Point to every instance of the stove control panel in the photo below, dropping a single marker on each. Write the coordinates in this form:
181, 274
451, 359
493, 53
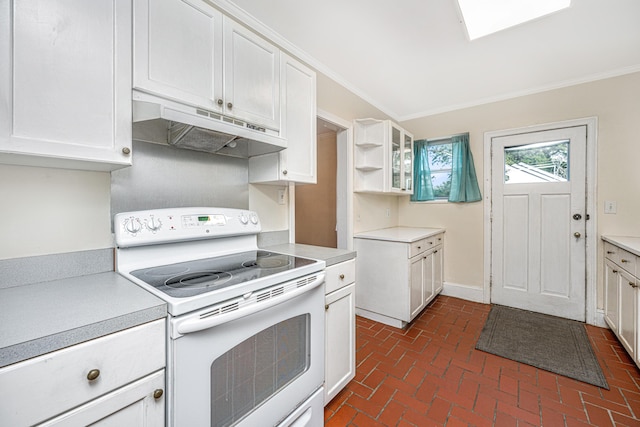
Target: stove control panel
182, 224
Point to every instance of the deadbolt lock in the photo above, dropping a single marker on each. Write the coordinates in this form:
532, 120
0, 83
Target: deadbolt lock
577, 217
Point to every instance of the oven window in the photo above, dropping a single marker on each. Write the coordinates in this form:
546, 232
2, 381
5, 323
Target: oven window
250, 373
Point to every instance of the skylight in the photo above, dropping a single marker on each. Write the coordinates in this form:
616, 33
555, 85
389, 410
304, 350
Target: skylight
483, 17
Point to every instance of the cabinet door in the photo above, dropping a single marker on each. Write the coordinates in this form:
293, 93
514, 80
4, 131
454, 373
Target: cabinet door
299, 98
396, 152
178, 51
438, 269
133, 405
251, 76
340, 340
628, 312
65, 83
298, 162
428, 276
407, 163
416, 291
611, 313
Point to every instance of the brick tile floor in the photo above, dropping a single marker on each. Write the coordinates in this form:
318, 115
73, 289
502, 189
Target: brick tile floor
431, 375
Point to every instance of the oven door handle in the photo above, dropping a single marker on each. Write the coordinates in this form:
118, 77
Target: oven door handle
197, 324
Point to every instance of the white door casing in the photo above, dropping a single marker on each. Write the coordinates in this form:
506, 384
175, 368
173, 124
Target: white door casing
538, 249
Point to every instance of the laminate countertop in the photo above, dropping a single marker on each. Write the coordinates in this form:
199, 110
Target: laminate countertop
329, 255
628, 243
400, 234
43, 317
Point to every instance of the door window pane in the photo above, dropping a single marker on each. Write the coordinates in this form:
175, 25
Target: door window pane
537, 163
257, 368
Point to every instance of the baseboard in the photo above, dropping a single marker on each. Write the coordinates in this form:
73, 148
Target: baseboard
469, 293
599, 320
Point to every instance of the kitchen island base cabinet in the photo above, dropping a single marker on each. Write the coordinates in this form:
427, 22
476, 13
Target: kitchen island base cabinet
399, 273
120, 375
621, 293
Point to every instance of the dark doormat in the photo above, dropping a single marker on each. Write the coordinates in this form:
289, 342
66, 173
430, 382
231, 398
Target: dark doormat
551, 343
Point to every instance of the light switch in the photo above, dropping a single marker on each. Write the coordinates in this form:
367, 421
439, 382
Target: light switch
610, 207
282, 197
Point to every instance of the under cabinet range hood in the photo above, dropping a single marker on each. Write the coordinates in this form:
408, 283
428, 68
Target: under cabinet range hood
198, 129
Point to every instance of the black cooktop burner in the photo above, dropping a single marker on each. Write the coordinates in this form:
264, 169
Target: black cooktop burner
189, 278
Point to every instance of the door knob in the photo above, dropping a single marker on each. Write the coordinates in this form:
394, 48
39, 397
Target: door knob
576, 234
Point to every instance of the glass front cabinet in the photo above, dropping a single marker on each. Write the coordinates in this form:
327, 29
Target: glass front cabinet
383, 156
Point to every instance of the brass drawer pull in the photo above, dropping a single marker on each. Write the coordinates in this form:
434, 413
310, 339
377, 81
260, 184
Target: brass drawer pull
341, 277
93, 374
157, 394
624, 260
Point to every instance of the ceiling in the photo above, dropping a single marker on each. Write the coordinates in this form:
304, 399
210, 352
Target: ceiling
412, 58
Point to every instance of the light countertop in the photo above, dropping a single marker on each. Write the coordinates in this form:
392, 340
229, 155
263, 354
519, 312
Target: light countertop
628, 243
400, 234
329, 255
43, 317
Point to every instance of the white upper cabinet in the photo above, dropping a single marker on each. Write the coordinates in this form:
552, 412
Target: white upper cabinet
65, 83
189, 52
298, 162
383, 158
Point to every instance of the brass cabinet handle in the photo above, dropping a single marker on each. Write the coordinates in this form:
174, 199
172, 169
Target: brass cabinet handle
610, 252
93, 374
431, 243
615, 271
633, 285
419, 247
126, 151
220, 102
229, 105
326, 307
435, 252
157, 393
341, 277
576, 234
624, 260
284, 172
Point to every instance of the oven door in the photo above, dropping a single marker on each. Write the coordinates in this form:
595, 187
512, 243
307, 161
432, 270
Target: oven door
253, 365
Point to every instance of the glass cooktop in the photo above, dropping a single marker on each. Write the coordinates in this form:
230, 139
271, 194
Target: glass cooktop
189, 278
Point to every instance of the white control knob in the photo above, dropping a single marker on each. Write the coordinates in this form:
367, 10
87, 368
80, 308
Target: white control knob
244, 219
153, 224
132, 225
254, 218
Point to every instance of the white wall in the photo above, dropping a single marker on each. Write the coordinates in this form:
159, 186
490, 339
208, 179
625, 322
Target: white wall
46, 211
616, 103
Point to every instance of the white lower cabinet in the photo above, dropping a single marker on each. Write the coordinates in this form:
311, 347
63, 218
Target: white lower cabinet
340, 328
622, 297
400, 272
117, 379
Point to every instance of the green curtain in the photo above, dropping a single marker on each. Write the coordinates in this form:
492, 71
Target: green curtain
423, 189
464, 183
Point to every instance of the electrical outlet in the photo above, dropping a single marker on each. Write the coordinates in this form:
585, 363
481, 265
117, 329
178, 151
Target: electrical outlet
610, 207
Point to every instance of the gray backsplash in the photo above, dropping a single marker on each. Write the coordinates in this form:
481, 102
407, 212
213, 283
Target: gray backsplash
166, 177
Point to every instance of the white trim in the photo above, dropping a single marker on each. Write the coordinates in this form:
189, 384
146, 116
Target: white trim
591, 208
344, 136
466, 292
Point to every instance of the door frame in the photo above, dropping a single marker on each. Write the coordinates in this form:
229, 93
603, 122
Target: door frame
591, 291
344, 191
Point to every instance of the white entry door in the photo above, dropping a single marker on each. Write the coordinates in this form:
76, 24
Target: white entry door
538, 221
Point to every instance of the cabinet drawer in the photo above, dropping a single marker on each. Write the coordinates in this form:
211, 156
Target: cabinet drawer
424, 245
339, 275
624, 259
39, 388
